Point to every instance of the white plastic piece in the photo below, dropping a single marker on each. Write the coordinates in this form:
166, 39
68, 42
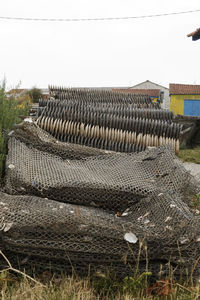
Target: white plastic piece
183, 240
2, 225
168, 219
130, 237
7, 227
168, 228
172, 205
29, 120
146, 215
11, 132
11, 166
124, 214
146, 221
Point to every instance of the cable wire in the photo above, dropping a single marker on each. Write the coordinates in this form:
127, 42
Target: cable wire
97, 19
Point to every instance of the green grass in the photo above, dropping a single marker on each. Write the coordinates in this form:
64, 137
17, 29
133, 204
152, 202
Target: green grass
190, 155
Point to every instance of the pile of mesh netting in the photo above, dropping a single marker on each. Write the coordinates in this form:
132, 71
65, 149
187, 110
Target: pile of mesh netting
70, 207
117, 121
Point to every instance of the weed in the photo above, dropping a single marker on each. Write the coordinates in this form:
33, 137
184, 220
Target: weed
133, 284
196, 201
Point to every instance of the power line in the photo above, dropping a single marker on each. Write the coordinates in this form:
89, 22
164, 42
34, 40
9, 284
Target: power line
97, 19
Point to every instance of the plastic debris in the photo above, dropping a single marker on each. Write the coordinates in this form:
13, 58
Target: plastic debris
130, 237
168, 219
7, 227
29, 120
11, 166
184, 240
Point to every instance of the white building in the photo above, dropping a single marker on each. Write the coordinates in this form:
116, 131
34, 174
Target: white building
151, 85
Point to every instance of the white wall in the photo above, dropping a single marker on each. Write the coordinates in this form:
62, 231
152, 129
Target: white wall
151, 85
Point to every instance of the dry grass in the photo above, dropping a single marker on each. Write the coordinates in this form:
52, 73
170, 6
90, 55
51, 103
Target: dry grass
71, 288
66, 288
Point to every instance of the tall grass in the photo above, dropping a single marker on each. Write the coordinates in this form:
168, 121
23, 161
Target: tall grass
9, 116
52, 287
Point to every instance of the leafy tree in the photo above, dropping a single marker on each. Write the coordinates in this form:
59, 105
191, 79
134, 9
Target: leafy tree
35, 94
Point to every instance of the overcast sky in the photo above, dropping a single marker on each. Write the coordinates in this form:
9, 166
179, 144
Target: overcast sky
109, 53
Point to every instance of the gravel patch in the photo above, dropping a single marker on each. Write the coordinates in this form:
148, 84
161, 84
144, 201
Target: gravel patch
194, 169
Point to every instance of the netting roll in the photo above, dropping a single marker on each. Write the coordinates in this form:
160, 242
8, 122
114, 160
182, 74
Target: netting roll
109, 180
72, 198
36, 230
100, 96
68, 205
143, 134
108, 120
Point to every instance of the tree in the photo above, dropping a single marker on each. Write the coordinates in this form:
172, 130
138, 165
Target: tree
35, 94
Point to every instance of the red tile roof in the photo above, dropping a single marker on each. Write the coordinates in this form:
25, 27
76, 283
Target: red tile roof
184, 89
149, 92
15, 91
195, 35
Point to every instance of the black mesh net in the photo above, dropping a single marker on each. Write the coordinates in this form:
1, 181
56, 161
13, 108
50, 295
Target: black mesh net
73, 200
120, 122
67, 206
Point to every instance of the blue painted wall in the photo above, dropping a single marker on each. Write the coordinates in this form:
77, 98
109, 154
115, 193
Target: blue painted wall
192, 108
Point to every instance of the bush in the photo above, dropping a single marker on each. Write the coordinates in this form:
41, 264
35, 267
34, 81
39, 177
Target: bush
9, 116
35, 94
